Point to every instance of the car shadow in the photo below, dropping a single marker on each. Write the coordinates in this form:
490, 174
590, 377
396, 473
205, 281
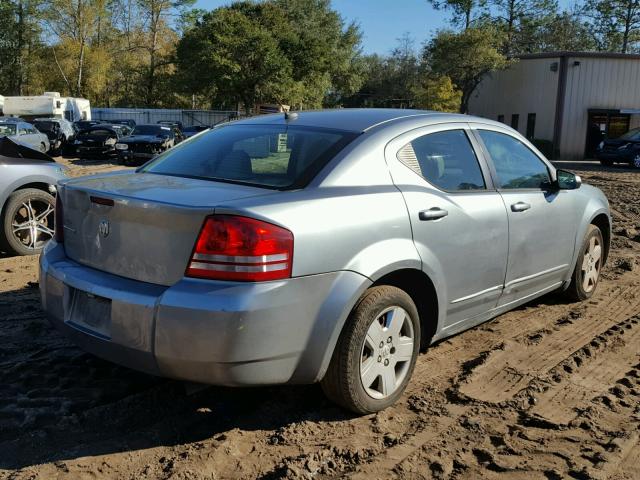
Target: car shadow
59, 403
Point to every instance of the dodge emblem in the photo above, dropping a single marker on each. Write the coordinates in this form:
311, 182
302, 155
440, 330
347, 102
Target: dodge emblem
103, 228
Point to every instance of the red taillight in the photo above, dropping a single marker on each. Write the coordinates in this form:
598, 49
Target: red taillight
58, 220
231, 247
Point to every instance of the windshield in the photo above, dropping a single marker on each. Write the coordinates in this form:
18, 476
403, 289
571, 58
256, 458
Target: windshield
122, 130
7, 129
45, 126
631, 135
151, 130
263, 155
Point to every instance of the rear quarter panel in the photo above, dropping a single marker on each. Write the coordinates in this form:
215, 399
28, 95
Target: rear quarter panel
350, 218
15, 176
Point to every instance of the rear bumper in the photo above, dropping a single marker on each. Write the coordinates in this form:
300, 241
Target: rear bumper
224, 333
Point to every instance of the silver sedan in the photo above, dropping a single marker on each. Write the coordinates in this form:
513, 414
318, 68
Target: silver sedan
326, 246
25, 134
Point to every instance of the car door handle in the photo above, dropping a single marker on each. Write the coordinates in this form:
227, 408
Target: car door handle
432, 214
520, 207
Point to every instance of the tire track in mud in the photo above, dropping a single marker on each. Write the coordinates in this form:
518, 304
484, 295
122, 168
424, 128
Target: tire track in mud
591, 372
511, 367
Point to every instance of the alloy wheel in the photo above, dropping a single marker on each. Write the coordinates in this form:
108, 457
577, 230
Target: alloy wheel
386, 352
591, 264
636, 161
32, 223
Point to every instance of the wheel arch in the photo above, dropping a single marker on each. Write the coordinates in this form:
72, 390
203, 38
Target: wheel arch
602, 222
422, 291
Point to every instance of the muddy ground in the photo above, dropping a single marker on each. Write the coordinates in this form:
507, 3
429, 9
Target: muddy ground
549, 391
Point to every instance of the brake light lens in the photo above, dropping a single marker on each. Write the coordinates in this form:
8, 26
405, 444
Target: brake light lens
58, 220
232, 247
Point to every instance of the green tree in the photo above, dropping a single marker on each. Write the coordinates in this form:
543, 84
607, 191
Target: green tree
564, 31
516, 16
297, 52
231, 56
462, 10
159, 41
616, 23
19, 44
465, 58
437, 93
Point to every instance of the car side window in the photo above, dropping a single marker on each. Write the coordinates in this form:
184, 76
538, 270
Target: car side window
445, 159
516, 165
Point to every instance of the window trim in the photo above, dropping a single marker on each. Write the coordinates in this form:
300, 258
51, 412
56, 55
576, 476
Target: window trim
476, 127
399, 142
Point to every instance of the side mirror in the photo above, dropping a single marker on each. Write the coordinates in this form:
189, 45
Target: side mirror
566, 180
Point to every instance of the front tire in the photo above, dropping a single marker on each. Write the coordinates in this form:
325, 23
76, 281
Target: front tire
376, 353
587, 270
28, 221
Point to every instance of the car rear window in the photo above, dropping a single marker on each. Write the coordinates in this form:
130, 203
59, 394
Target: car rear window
272, 156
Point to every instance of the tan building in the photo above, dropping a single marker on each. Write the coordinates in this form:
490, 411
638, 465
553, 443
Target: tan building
570, 99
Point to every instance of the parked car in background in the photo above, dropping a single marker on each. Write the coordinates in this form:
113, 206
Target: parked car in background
624, 149
125, 121
27, 189
145, 142
59, 131
24, 133
318, 246
100, 140
189, 132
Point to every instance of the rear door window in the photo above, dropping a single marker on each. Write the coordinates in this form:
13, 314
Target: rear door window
445, 159
273, 156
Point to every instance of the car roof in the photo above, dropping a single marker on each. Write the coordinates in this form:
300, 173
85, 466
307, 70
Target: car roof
357, 119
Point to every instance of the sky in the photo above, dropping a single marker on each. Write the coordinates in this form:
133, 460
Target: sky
382, 21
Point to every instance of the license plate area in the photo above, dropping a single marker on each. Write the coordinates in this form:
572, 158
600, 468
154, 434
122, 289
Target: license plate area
90, 313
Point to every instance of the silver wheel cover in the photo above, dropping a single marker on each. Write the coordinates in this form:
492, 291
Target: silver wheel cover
386, 352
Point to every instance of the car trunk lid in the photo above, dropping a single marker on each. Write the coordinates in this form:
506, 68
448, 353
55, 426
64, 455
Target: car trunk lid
140, 226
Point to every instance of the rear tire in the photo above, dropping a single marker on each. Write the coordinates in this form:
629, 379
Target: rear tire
587, 270
376, 353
